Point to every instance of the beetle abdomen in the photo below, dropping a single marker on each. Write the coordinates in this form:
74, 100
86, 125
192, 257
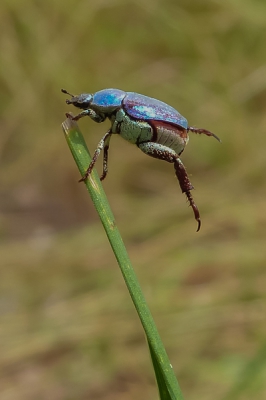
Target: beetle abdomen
170, 136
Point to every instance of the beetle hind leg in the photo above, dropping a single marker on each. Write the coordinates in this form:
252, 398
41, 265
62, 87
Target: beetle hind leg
186, 187
161, 152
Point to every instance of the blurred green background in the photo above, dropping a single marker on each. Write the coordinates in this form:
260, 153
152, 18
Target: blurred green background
68, 329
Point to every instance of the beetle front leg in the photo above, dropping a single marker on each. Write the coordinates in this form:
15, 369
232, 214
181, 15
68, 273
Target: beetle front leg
96, 154
161, 152
89, 113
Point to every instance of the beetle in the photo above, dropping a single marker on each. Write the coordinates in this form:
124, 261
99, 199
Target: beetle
154, 126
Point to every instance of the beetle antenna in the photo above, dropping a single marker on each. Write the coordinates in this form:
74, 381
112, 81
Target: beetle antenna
203, 131
66, 92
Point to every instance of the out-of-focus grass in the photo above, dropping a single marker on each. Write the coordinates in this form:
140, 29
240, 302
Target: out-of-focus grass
68, 328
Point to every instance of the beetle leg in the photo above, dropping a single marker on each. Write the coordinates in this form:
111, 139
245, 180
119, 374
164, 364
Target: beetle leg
96, 155
83, 113
186, 186
90, 113
157, 150
105, 157
203, 131
161, 152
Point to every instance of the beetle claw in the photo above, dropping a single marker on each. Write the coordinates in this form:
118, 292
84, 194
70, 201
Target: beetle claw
84, 178
195, 209
199, 224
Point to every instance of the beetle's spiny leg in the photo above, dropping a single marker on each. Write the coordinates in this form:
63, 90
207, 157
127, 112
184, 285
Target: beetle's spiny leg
96, 155
83, 113
78, 116
194, 208
105, 158
161, 152
68, 115
203, 131
186, 186
182, 176
87, 113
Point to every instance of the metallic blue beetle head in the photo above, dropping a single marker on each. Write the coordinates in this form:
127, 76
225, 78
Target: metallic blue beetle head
82, 101
104, 101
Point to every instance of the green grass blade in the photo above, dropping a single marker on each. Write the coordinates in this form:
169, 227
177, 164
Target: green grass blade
164, 391
166, 380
